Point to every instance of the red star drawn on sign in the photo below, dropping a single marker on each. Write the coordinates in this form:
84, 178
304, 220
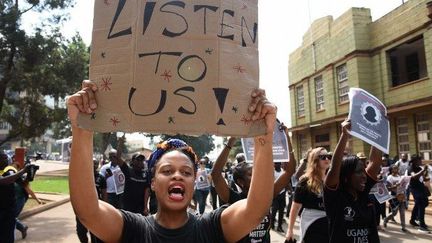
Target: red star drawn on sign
105, 85
239, 68
106, 2
115, 121
166, 75
245, 120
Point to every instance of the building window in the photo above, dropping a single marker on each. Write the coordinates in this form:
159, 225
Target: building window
319, 93
402, 135
408, 61
303, 146
424, 136
342, 77
300, 101
323, 140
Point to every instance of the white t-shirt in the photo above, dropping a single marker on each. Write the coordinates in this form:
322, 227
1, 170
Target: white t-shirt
403, 167
115, 183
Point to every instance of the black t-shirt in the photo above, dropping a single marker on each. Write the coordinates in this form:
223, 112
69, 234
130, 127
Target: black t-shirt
135, 185
198, 229
100, 184
307, 198
7, 194
415, 184
350, 220
262, 232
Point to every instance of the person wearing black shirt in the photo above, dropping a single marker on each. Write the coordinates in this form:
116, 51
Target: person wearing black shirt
173, 165
347, 185
137, 185
100, 189
242, 176
309, 196
418, 190
8, 176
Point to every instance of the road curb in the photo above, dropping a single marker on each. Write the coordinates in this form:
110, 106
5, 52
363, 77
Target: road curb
36, 210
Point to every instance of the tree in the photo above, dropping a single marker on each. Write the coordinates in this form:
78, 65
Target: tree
202, 144
36, 66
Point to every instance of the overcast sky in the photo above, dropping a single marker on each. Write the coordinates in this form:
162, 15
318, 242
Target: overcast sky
282, 24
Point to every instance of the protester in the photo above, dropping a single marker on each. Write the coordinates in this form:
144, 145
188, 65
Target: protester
403, 164
8, 176
242, 177
100, 189
22, 192
137, 185
279, 202
174, 175
202, 184
420, 193
398, 192
309, 196
113, 175
346, 189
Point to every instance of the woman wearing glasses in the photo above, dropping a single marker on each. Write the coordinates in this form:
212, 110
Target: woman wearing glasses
309, 195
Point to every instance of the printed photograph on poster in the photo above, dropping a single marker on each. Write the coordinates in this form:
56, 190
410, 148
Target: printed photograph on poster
119, 181
369, 120
382, 194
280, 146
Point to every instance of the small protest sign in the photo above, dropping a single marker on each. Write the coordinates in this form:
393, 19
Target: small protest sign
119, 181
280, 146
174, 67
382, 193
404, 183
369, 120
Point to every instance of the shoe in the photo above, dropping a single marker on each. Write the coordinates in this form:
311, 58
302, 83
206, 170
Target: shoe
385, 223
279, 229
405, 230
423, 230
413, 223
24, 232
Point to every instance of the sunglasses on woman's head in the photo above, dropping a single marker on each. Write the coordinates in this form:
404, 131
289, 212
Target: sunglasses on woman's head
325, 156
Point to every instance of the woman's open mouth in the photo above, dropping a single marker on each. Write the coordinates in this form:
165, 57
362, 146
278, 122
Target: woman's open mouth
176, 192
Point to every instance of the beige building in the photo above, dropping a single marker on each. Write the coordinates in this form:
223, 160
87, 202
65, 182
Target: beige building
391, 58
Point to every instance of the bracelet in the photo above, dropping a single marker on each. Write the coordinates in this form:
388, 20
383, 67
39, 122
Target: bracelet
226, 145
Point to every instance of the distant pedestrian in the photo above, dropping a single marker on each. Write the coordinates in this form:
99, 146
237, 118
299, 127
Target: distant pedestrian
115, 180
420, 193
8, 176
137, 186
100, 189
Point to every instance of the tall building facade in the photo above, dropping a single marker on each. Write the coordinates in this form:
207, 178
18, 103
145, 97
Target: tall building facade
391, 58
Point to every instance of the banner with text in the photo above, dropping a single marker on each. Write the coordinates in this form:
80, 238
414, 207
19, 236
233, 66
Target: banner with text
175, 66
369, 120
280, 146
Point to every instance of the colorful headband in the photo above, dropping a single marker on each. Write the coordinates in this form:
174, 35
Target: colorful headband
168, 145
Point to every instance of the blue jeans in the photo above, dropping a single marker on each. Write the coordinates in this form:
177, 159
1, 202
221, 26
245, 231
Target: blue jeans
201, 195
20, 202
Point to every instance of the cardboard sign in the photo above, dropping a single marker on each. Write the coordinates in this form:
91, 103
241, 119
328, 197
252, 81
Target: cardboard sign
280, 146
369, 120
174, 66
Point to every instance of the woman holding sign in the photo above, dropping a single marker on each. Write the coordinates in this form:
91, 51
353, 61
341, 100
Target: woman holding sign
347, 185
174, 171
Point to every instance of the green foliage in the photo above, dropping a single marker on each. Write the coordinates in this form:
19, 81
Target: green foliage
37, 65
